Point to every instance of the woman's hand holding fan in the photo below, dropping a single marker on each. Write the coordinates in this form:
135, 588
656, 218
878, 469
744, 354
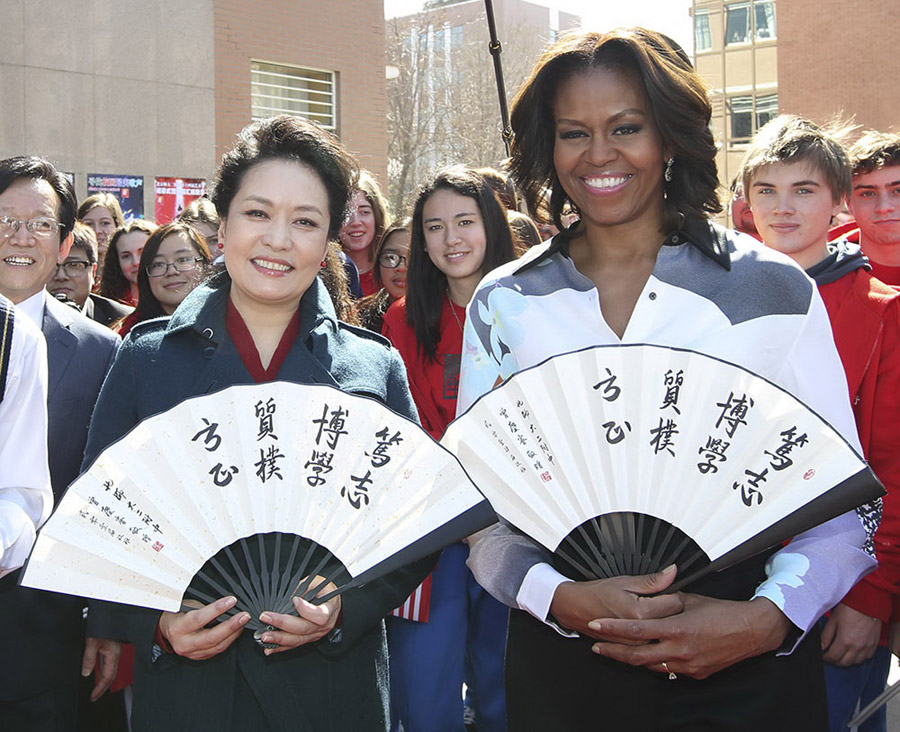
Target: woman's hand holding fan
576, 604
622, 460
242, 502
311, 623
708, 636
188, 635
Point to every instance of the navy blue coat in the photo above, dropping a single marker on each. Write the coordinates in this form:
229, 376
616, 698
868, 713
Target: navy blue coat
328, 685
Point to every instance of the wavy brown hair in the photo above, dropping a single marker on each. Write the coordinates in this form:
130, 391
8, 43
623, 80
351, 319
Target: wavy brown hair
679, 105
113, 283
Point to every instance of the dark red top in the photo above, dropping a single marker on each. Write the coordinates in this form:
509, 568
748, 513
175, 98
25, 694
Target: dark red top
887, 274
433, 384
367, 283
246, 348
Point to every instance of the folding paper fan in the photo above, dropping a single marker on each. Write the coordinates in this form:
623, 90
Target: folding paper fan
625, 459
249, 491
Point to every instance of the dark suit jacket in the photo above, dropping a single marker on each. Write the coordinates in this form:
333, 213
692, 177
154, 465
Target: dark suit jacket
42, 633
105, 311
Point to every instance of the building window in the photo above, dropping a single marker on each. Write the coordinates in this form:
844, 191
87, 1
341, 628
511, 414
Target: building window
766, 109
702, 35
738, 19
741, 111
764, 13
277, 89
737, 23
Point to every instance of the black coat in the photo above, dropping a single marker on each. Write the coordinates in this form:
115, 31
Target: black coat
334, 684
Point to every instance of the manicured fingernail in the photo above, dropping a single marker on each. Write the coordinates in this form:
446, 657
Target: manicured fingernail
230, 601
669, 569
596, 649
594, 625
265, 617
244, 618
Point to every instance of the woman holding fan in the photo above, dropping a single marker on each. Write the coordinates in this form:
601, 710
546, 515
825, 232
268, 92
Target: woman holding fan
616, 126
281, 192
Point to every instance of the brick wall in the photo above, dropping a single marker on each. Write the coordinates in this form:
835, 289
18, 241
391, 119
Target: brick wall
345, 37
840, 56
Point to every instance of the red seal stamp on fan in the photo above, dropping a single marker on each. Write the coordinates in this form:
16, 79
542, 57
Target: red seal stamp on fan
809, 474
546, 477
157, 546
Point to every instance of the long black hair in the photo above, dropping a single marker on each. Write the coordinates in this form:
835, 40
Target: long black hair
426, 285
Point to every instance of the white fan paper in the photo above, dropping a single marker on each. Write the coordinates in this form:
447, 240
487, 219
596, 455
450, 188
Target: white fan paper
623, 459
344, 471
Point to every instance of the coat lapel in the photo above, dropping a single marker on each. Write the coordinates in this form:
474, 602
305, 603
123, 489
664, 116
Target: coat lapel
61, 342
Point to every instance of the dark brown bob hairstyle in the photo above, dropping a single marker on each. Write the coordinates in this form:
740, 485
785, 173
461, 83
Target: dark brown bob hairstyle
286, 137
678, 103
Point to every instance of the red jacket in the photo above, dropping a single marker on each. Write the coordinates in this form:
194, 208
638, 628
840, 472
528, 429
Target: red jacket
865, 319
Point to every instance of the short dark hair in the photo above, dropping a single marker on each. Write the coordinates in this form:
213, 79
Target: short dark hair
792, 139
874, 150
286, 137
84, 238
426, 285
35, 168
148, 306
679, 105
113, 283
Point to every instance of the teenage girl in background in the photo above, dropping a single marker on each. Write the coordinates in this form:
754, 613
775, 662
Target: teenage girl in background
367, 218
458, 233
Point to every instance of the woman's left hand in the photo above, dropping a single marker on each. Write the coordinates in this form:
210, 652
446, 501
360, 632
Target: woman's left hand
314, 622
706, 637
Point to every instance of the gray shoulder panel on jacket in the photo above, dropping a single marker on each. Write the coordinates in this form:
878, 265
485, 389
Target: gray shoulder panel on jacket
761, 282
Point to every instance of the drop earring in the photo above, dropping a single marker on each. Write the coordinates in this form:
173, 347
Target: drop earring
668, 174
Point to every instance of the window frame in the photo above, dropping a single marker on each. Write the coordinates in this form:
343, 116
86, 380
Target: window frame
321, 103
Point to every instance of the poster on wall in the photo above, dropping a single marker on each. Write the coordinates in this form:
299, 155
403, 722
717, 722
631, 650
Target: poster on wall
173, 194
129, 189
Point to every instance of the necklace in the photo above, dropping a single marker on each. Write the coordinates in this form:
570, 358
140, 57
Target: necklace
453, 312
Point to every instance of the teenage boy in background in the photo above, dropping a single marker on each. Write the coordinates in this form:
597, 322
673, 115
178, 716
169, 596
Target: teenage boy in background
874, 201
795, 176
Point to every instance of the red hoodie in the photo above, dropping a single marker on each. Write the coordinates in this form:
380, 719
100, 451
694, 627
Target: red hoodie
865, 319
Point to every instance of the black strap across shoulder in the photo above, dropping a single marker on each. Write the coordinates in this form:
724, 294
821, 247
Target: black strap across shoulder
6, 335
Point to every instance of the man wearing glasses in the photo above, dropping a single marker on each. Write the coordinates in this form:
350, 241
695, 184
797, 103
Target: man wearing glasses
41, 633
73, 280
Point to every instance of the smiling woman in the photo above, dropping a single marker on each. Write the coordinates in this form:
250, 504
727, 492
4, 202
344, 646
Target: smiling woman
281, 192
367, 219
173, 262
458, 232
616, 126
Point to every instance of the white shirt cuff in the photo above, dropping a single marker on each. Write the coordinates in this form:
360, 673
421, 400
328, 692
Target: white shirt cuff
536, 594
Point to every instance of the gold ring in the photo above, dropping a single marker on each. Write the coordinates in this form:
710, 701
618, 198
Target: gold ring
672, 674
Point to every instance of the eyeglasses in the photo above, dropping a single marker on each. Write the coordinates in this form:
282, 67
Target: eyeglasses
73, 268
392, 260
182, 264
36, 227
